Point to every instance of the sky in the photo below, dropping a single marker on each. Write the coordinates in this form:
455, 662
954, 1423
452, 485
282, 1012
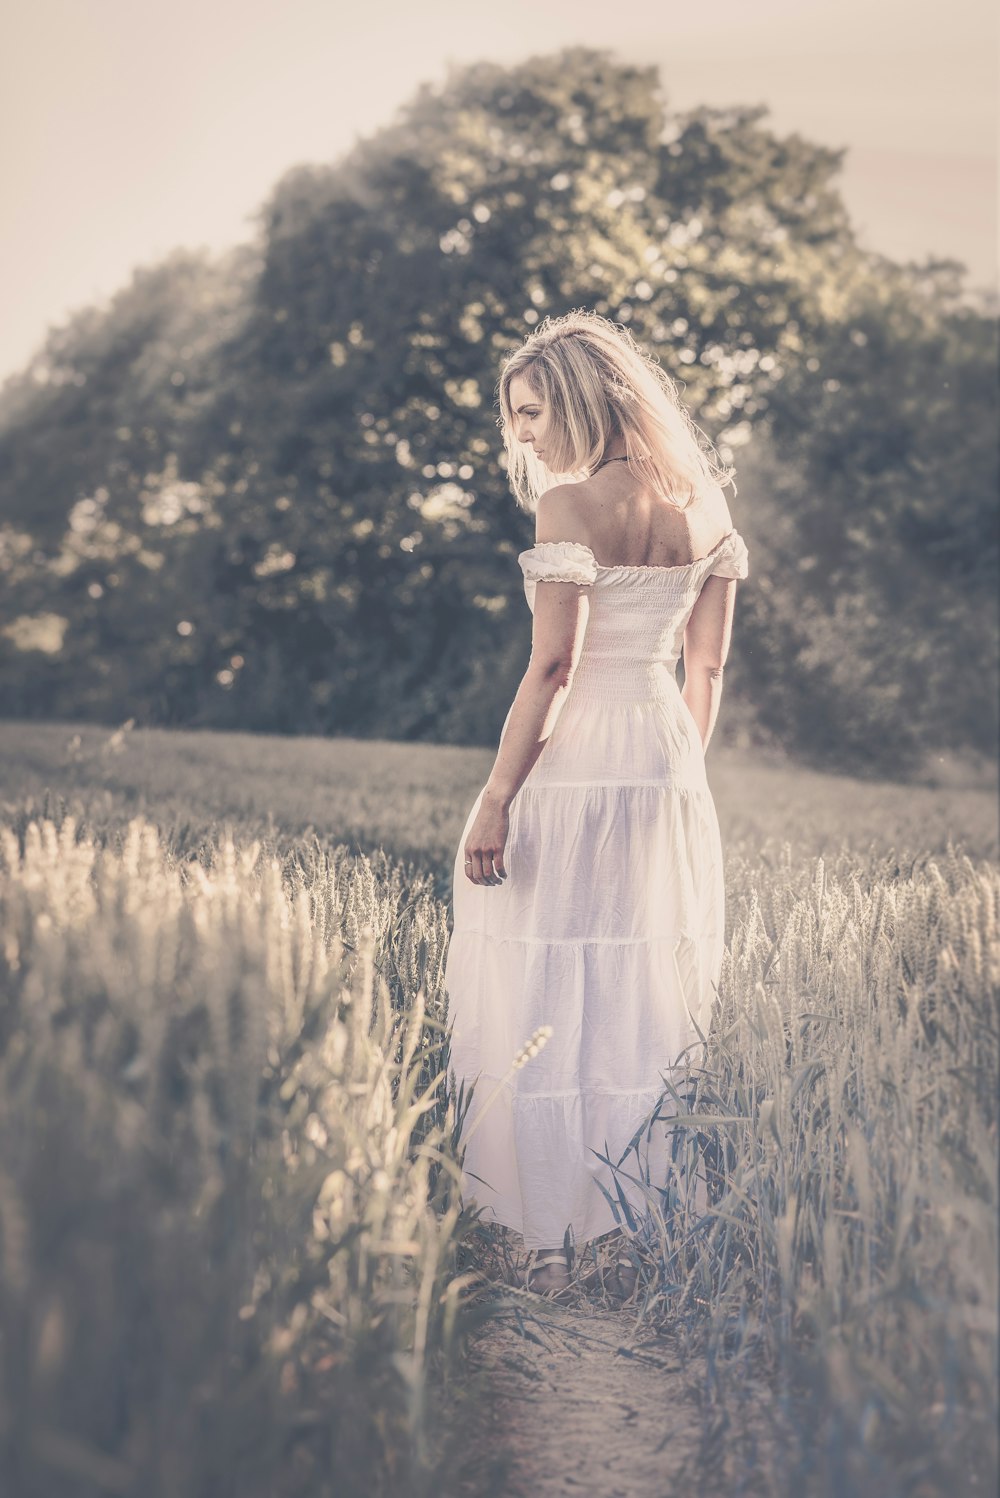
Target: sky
131, 127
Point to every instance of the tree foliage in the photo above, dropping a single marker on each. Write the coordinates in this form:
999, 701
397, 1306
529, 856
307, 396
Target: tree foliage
267, 491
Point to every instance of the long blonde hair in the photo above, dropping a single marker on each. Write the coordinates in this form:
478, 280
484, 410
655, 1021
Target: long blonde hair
597, 384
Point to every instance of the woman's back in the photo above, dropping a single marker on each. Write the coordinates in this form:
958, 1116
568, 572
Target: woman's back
628, 525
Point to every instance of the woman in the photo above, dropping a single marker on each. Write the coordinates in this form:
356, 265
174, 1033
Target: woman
588, 894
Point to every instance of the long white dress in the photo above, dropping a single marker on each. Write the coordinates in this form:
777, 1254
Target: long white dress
609, 926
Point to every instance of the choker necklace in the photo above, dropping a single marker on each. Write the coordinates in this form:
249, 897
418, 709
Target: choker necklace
611, 460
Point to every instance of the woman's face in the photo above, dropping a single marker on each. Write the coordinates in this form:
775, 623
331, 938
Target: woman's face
530, 415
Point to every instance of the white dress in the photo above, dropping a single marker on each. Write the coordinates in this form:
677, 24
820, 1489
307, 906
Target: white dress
609, 926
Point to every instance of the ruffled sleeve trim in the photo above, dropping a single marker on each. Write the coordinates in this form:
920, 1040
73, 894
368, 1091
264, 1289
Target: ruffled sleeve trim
558, 561
731, 558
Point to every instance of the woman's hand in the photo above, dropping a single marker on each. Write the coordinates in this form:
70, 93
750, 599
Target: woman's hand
486, 841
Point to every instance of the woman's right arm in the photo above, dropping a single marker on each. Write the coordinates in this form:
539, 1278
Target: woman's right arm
706, 646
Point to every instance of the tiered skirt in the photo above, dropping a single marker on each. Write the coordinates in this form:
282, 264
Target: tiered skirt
609, 929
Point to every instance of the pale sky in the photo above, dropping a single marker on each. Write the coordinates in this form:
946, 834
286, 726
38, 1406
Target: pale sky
129, 127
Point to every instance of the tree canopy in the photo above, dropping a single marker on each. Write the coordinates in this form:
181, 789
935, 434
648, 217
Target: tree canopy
266, 491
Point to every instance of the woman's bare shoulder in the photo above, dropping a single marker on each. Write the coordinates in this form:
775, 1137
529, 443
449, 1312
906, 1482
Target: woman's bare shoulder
710, 516
560, 514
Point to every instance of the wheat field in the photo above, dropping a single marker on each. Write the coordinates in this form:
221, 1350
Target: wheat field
232, 1253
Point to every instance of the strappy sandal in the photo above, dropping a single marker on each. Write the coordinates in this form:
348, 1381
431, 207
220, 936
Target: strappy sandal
619, 1277
531, 1268
622, 1277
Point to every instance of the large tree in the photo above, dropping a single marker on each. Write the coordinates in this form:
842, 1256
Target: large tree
293, 455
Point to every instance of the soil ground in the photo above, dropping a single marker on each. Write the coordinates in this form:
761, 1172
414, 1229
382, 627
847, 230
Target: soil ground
579, 1401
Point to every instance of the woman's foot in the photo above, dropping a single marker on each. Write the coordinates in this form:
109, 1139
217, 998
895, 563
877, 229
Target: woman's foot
621, 1278
546, 1273
616, 1271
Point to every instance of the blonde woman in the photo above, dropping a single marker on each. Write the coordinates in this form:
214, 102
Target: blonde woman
588, 893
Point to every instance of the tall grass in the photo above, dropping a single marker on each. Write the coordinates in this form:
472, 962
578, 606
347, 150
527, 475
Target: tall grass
411, 799
844, 1131
228, 1226
227, 1209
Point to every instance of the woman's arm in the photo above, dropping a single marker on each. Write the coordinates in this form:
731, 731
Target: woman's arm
706, 647
536, 706
561, 614
559, 623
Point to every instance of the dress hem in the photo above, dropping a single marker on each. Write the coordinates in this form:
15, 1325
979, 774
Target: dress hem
593, 1228
589, 1228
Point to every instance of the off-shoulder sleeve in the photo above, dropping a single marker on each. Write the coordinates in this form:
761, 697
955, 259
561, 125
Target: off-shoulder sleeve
558, 561
732, 558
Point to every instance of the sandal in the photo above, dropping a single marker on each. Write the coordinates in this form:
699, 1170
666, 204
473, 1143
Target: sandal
622, 1277
524, 1277
619, 1277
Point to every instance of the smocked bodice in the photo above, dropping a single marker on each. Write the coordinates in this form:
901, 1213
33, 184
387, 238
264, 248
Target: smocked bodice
637, 614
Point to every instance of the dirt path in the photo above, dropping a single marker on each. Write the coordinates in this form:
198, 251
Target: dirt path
580, 1402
